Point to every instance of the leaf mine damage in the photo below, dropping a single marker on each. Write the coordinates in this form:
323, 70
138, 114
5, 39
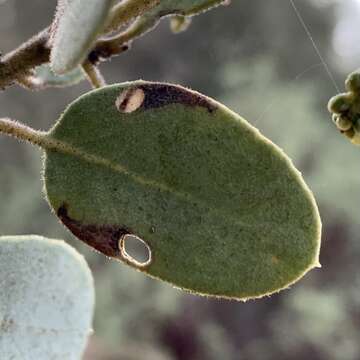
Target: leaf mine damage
152, 96
130, 100
211, 208
103, 238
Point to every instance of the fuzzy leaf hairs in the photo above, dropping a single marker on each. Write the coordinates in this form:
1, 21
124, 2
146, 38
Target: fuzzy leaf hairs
221, 210
46, 301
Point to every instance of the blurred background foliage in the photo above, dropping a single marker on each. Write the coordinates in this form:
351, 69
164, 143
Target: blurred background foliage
256, 58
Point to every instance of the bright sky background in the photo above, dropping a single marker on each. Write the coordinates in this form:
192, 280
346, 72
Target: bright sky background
347, 35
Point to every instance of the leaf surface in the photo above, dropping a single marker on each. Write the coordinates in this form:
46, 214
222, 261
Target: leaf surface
185, 7
75, 28
46, 299
48, 78
221, 208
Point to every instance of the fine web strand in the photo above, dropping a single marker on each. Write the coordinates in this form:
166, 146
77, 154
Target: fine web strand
322, 63
277, 100
318, 52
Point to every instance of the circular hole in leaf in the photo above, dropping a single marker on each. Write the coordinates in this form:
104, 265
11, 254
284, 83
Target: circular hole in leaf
224, 198
135, 251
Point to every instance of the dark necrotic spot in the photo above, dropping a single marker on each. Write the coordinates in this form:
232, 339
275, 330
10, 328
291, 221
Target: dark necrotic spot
159, 95
104, 238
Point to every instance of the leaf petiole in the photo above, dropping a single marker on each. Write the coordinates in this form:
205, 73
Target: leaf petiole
23, 132
93, 75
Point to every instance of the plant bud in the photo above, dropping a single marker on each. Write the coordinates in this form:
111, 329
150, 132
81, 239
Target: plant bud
343, 123
339, 103
352, 82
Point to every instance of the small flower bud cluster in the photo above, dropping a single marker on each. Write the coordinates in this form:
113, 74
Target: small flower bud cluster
345, 108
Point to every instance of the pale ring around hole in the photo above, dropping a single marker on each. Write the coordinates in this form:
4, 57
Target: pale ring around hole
130, 100
128, 258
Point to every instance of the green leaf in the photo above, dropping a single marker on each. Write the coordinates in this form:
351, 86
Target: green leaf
185, 7
221, 208
182, 8
76, 26
48, 78
46, 299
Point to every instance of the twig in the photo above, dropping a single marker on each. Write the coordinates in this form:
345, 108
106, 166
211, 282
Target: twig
126, 11
19, 63
93, 75
122, 40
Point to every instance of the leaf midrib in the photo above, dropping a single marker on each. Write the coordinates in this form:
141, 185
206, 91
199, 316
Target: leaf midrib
68, 149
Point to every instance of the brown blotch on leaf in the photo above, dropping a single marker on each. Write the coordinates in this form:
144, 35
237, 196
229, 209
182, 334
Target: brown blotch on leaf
104, 238
159, 95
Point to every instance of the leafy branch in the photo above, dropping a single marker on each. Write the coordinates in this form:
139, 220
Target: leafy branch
155, 162
56, 44
17, 66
